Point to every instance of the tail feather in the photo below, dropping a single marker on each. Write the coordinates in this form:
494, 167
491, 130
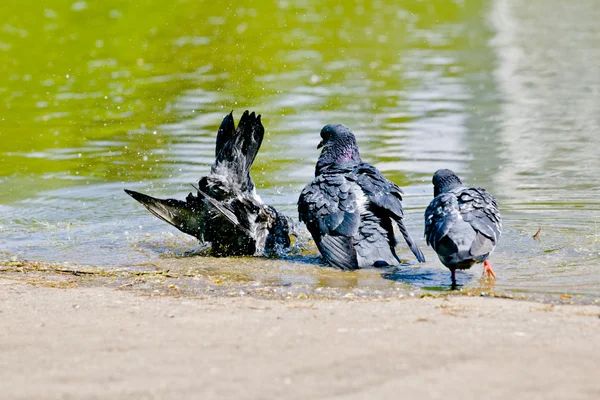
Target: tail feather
225, 133
236, 150
253, 133
413, 246
183, 215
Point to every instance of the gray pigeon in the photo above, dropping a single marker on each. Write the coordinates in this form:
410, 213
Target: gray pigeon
349, 207
227, 211
463, 225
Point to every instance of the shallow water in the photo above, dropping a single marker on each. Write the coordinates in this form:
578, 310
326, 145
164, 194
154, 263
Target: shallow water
101, 97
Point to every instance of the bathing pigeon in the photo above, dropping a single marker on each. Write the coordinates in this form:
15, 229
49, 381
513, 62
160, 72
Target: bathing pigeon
227, 211
349, 207
463, 225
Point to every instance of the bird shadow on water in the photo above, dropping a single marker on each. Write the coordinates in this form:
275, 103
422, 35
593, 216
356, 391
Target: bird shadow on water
426, 278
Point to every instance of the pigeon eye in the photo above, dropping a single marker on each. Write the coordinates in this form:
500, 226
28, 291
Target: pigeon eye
325, 135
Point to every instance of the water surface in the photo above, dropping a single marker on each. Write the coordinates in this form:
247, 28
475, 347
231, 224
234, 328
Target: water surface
101, 96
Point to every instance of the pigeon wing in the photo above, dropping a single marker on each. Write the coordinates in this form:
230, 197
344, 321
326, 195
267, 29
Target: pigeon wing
387, 196
441, 214
480, 210
183, 215
328, 206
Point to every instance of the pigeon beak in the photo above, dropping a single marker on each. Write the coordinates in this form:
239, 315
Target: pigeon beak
321, 144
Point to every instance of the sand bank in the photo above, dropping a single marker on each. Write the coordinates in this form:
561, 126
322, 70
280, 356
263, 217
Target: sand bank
101, 342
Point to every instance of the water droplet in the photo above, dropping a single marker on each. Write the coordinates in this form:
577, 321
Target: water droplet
115, 14
79, 6
50, 13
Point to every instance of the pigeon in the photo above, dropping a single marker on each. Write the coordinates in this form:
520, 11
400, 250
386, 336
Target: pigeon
463, 225
349, 208
227, 211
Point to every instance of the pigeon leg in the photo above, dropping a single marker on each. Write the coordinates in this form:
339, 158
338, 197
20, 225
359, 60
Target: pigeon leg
453, 272
487, 270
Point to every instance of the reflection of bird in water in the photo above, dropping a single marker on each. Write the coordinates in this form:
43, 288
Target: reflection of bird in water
349, 207
463, 225
227, 211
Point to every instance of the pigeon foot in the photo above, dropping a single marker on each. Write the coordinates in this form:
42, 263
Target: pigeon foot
487, 270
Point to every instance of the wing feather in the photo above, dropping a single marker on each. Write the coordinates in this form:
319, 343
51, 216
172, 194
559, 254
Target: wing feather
387, 196
328, 206
441, 214
480, 209
338, 251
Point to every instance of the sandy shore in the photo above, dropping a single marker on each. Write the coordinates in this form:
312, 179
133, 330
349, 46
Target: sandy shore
99, 342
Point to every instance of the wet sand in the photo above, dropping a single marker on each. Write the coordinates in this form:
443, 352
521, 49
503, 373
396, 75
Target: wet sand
63, 341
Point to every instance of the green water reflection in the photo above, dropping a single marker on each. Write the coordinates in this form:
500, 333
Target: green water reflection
80, 80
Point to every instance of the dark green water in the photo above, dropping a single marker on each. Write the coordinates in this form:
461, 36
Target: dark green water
99, 96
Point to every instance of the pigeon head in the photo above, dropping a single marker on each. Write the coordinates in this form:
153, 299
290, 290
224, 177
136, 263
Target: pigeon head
444, 180
339, 146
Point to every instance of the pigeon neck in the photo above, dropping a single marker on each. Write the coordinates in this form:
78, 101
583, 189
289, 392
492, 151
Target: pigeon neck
337, 156
446, 186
